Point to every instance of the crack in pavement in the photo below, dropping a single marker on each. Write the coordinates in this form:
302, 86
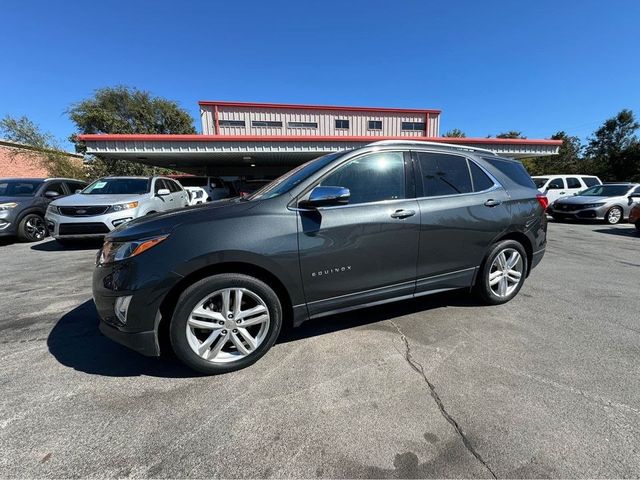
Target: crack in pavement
434, 394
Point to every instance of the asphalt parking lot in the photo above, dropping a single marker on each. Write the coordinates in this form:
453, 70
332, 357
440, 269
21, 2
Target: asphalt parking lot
545, 386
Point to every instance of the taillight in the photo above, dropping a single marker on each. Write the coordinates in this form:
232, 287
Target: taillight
543, 201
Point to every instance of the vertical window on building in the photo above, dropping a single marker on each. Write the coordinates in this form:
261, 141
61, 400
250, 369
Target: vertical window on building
413, 126
375, 124
342, 123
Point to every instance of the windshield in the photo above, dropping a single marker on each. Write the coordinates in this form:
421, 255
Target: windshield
19, 188
605, 191
118, 186
292, 178
540, 181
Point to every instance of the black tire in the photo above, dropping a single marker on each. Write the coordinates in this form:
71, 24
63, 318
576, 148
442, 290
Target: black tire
32, 228
616, 218
198, 291
483, 287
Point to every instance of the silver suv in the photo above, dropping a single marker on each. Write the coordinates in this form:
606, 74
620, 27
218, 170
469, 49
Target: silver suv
110, 202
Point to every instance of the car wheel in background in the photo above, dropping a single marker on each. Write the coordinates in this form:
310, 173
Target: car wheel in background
32, 228
613, 216
225, 323
503, 273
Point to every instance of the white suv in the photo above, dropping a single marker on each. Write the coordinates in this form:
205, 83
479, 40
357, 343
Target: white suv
560, 186
110, 202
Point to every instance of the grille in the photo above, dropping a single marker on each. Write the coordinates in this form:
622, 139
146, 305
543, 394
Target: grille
82, 228
568, 208
83, 211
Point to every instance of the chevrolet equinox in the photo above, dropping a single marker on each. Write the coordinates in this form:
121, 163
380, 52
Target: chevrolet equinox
390, 221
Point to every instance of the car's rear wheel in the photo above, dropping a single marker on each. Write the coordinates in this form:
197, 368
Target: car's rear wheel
503, 272
613, 216
225, 322
32, 228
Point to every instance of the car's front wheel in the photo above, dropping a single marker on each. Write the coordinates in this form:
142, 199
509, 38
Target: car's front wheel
32, 228
503, 273
225, 322
613, 216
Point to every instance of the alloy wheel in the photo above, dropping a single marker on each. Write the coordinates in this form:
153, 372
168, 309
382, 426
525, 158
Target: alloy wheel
614, 215
35, 228
228, 325
506, 272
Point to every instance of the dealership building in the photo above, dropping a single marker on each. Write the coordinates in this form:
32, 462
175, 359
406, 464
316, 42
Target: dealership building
267, 139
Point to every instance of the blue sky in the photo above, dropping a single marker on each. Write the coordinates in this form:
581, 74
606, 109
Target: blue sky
491, 66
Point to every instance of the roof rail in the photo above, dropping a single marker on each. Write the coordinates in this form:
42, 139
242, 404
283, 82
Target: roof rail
435, 144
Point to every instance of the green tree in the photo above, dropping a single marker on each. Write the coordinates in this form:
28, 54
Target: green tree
43, 149
455, 133
568, 159
126, 110
614, 148
511, 134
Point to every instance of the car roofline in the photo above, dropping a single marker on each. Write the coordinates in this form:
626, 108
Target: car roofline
444, 146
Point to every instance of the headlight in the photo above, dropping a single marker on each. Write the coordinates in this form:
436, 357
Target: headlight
52, 209
592, 205
8, 206
116, 251
123, 206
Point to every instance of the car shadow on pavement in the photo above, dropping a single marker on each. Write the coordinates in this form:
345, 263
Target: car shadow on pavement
620, 232
54, 246
76, 342
370, 315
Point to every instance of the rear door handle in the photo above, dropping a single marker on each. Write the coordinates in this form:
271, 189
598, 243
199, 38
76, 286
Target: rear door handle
403, 213
492, 203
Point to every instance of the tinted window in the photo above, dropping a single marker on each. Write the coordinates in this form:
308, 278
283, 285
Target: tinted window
375, 124
606, 191
231, 123
444, 174
342, 123
540, 181
412, 125
371, 178
19, 188
481, 180
512, 169
173, 186
573, 183
160, 185
118, 186
73, 186
55, 187
590, 181
555, 184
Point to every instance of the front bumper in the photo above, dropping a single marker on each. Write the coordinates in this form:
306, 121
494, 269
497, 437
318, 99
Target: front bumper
597, 213
95, 226
7, 223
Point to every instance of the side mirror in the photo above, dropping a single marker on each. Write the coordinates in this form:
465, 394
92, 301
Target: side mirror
322, 196
78, 190
163, 192
51, 194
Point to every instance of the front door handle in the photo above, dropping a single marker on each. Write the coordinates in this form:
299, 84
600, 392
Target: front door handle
492, 203
403, 213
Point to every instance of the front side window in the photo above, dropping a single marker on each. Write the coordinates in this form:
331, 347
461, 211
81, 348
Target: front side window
413, 126
556, 184
19, 188
160, 185
444, 174
573, 183
375, 124
371, 178
54, 187
540, 181
342, 123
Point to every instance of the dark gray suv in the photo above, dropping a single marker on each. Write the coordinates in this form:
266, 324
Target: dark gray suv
390, 221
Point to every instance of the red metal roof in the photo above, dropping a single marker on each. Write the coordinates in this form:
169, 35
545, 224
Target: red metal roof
316, 107
306, 138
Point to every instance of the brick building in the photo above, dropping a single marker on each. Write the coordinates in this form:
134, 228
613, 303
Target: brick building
18, 160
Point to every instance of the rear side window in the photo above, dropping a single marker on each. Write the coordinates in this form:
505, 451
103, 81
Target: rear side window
590, 181
481, 180
444, 174
573, 183
371, 178
514, 170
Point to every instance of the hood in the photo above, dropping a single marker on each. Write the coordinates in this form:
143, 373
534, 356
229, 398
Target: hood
80, 200
16, 199
581, 200
164, 223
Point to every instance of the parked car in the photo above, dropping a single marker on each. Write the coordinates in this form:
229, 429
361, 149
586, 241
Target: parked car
110, 202
23, 202
204, 189
610, 202
634, 214
558, 186
386, 222
248, 187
